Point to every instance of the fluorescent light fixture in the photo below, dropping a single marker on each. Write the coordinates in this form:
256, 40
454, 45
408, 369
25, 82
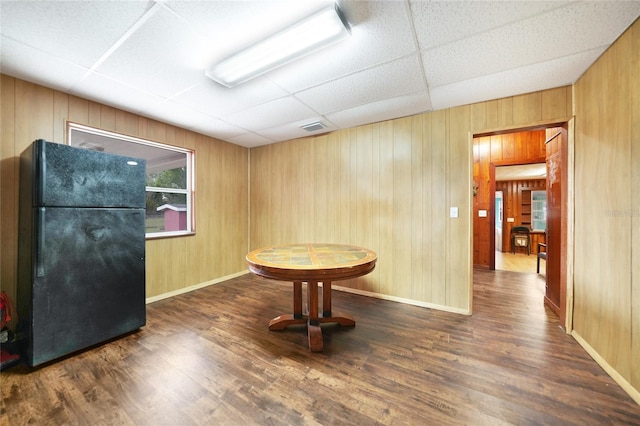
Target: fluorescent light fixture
311, 34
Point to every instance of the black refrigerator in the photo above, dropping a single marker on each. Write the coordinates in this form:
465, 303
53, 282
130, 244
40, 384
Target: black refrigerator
81, 254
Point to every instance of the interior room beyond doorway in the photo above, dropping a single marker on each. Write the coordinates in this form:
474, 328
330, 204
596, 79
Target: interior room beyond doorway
520, 200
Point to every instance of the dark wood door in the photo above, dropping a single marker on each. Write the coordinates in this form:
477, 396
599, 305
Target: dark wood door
554, 230
557, 225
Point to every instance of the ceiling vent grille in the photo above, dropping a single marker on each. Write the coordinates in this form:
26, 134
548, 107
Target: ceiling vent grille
312, 127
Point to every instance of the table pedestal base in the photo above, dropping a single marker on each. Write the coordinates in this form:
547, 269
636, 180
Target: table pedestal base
313, 319
313, 330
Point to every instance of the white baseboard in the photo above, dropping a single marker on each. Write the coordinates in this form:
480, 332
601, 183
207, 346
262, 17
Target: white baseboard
401, 300
624, 384
193, 287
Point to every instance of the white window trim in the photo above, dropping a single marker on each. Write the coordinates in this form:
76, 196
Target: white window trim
190, 165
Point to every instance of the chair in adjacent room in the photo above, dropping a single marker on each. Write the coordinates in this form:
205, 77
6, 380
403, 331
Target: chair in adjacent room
520, 237
542, 254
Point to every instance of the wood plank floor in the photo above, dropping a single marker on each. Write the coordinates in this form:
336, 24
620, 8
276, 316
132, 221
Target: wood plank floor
207, 358
518, 262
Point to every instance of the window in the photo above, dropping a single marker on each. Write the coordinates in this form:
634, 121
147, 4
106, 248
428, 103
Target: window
539, 210
169, 177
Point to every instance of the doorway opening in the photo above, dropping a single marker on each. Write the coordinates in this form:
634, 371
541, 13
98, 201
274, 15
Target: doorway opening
545, 144
520, 192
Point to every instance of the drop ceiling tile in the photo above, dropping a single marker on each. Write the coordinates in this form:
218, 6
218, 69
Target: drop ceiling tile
441, 22
374, 84
381, 32
546, 75
527, 42
160, 57
188, 118
215, 99
110, 92
270, 114
386, 109
25, 62
250, 140
210, 126
78, 31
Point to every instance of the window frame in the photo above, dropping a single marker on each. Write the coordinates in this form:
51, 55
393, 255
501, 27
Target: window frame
544, 211
189, 191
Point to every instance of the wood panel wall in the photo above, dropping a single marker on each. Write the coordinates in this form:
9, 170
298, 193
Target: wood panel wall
389, 186
607, 209
512, 207
499, 149
217, 250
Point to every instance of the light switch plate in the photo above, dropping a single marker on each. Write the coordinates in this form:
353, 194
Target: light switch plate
453, 212
482, 213
510, 219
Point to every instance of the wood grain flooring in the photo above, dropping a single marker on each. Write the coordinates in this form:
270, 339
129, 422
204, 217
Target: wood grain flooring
207, 358
519, 262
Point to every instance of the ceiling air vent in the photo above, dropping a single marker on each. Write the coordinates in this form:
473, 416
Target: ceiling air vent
312, 127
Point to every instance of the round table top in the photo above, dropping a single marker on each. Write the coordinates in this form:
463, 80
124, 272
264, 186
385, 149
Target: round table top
312, 262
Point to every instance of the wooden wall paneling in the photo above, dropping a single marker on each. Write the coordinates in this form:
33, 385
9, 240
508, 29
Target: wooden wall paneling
417, 193
258, 225
385, 262
307, 177
108, 118
492, 116
95, 115
495, 152
556, 103
166, 270
202, 246
322, 164
60, 116
126, 123
479, 115
9, 169
520, 144
402, 207
460, 165
635, 203
35, 102
231, 223
508, 142
330, 166
505, 113
603, 311
345, 199
428, 250
364, 202
280, 202
439, 207
373, 279
151, 130
527, 108
78, 110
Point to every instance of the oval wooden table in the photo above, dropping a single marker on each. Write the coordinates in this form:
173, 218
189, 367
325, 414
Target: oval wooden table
311, 263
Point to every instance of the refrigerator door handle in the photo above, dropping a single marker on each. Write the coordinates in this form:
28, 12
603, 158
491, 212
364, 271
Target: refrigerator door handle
40, 272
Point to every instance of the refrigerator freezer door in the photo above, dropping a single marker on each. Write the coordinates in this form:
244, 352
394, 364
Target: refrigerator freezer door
88, 279
66, 176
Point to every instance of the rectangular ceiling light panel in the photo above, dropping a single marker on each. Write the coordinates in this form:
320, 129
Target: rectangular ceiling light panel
311, 34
